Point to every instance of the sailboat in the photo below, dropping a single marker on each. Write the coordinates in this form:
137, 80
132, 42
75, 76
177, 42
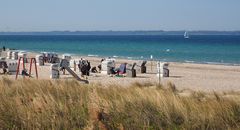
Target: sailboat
186, 35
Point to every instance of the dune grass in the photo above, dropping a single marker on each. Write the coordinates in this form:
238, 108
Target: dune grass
45, 104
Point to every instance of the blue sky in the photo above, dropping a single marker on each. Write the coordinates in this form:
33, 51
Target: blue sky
87, 15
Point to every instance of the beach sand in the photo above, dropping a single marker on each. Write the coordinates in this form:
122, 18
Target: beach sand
198, 77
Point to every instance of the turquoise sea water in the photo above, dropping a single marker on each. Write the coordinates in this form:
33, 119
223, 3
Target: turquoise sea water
222, 49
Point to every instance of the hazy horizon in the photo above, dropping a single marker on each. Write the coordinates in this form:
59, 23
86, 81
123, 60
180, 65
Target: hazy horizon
120, 31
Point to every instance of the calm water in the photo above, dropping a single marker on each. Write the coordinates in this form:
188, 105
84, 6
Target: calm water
203, 49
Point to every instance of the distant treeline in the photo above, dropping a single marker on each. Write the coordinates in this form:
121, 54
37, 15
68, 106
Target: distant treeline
160, 32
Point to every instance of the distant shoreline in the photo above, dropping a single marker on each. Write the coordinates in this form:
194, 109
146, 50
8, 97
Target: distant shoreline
158, 32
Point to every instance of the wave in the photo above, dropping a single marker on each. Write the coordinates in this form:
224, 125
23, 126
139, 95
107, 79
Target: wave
189, 61
211, 63
91, 55
220, 63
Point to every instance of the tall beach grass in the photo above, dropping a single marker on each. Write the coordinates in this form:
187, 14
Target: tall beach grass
67, 104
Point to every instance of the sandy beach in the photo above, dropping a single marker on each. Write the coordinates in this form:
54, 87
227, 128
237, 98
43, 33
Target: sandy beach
198, 77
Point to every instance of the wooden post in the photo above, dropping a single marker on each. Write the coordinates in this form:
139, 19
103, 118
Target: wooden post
18, 67
30, 70
23, 63
151, 62
35, 62
75, 66
159, 78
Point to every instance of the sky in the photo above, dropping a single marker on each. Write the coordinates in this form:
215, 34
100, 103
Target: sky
119, 15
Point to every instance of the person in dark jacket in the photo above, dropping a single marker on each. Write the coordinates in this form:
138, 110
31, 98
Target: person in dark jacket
24, 73
88, 68
84, 67
94, 70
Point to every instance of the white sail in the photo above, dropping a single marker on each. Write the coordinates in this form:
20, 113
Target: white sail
186, 35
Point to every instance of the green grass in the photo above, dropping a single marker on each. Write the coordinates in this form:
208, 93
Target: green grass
45, 104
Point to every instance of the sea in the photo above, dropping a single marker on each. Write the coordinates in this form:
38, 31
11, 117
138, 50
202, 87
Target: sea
208, 49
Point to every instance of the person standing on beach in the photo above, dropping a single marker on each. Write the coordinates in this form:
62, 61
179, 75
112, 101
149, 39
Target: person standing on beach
100, 65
